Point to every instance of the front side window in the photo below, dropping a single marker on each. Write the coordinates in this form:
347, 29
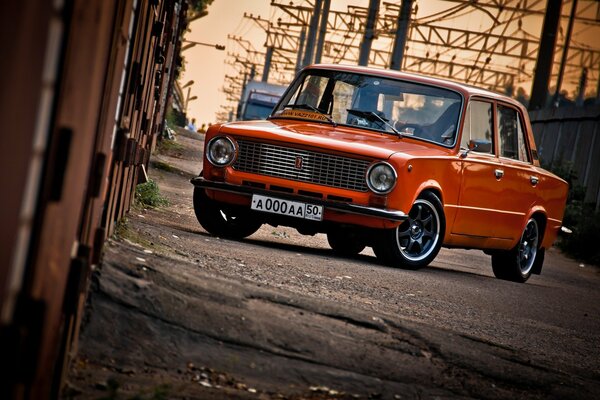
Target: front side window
478, 126
382, 104
511, 137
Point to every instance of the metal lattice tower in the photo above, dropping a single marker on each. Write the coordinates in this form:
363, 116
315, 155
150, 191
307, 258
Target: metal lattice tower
489, 43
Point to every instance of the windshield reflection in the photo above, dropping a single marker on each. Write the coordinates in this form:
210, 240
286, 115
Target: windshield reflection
386, 105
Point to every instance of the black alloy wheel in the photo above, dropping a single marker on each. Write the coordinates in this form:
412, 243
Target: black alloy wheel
223, 221
517, 264
416, 242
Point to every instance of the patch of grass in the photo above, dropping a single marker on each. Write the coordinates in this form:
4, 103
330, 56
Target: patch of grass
122, 231
163, 166
166, 146
121, 228
148, 195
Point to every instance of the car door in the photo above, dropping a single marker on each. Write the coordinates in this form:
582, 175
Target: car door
478, 199
519, 175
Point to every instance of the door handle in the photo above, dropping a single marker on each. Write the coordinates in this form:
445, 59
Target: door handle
499, 173
534, 180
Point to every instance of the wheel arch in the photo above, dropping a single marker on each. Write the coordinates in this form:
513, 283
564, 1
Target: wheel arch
540, 216
437, 191
430, 186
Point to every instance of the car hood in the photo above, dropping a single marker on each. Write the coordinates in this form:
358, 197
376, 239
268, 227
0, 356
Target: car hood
341, 138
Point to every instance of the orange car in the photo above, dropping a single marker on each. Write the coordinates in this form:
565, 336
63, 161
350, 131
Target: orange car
399, 162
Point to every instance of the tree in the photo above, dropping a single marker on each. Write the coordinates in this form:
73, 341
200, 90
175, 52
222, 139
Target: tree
198, 9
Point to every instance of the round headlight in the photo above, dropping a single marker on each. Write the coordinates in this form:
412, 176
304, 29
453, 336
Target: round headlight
381, 178
221, 151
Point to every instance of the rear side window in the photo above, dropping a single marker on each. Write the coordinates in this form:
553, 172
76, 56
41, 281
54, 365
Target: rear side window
511, 135
478, 124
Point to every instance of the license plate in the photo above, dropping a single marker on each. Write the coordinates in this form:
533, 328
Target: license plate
287, 207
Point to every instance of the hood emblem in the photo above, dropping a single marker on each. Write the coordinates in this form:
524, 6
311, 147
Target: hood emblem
299, 162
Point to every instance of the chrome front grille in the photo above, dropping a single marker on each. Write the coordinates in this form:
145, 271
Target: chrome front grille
302, 165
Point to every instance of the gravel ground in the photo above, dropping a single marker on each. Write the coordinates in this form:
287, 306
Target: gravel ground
176, 313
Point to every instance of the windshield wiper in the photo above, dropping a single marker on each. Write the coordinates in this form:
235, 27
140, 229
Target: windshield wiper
312, 108
371, 115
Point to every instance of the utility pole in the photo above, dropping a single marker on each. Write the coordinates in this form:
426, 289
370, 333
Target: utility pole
238, 112
543, 67
267, 67
496, 57
312, 34
365, 47
565, 52
300, 48
188, 98
401, 34
322, 31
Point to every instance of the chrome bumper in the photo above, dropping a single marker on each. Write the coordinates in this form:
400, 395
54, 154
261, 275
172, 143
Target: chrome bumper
392, 215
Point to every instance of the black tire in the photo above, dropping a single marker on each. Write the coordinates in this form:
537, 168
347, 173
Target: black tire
417, 241
517, 265
223, 221
345, 243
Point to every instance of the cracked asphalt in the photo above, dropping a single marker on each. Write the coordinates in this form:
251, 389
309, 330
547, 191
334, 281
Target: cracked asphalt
175, 312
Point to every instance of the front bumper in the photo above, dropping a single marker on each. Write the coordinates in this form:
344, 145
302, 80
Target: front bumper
392, 215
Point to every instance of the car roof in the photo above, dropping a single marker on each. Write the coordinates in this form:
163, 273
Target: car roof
465, 90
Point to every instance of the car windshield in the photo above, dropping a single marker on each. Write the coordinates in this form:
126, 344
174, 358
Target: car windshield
392, 106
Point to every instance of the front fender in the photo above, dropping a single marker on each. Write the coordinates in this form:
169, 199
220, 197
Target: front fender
439, 174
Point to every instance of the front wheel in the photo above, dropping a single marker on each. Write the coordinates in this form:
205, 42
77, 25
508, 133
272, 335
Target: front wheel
223, 221
347, 243
517, 264
416, 242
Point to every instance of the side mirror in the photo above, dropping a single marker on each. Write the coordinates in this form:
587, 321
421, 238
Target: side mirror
478, 146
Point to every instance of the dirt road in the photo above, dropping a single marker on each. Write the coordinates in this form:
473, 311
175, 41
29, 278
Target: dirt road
177, 313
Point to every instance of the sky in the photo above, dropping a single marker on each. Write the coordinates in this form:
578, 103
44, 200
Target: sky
206, 66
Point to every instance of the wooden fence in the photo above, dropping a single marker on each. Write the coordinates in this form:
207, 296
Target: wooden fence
569, 137
85, 84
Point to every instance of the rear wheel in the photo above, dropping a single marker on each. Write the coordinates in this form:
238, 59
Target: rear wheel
345, 243
517, 264
223, 221
416, 242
